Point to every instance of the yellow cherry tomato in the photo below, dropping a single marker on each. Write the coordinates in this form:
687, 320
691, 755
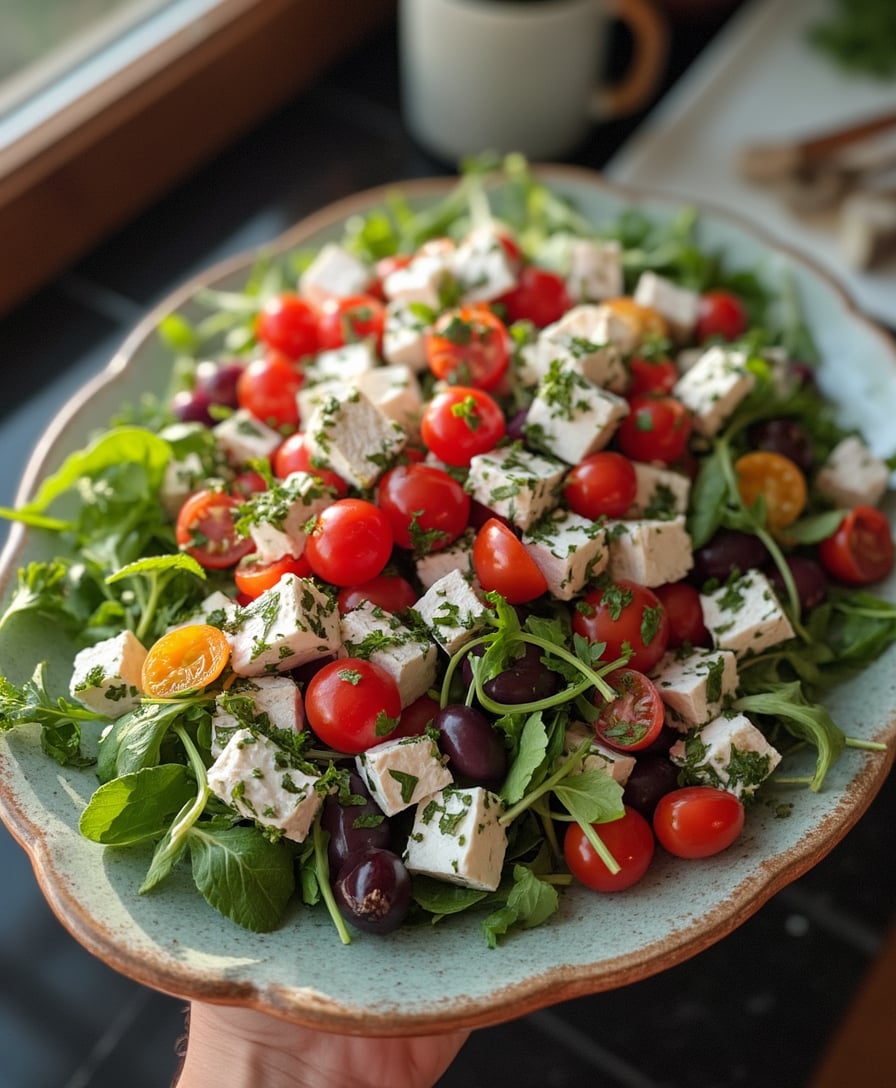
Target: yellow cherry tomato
778, 480
644, 321
186, 659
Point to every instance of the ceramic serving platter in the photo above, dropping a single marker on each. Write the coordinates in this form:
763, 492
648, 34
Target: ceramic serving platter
435, 978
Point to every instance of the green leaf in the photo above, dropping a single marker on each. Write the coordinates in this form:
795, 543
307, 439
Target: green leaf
243, 875
135, 740
811, 530
530, 903
440, 899
708, 497
138, 806
59, 719
592, 797
532, 750
159, 564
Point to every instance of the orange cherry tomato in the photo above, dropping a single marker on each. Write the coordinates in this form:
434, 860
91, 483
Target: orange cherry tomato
186, 659
644, 321
778, 480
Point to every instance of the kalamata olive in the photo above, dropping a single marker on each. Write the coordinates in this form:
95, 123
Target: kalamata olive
373, 890
728, 550
787, 437
353, 827
475, 751
515, 425
192, 406
653, 775
218, 381
809, 578
524, 681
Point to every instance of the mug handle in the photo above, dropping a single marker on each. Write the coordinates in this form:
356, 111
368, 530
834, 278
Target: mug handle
650, 36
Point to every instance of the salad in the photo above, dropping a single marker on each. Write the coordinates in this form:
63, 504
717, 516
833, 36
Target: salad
486, 550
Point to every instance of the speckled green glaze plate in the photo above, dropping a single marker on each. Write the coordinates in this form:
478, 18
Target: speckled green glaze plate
436, 978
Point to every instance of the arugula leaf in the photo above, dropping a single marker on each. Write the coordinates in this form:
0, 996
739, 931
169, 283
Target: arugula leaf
530, 903
137, 807
59, 719
533, 747
40, 589
592, 797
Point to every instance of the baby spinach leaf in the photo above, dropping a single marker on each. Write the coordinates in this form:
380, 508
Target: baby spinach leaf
137, 807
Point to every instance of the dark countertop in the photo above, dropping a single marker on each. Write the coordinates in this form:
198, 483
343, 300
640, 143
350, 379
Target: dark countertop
756, 1009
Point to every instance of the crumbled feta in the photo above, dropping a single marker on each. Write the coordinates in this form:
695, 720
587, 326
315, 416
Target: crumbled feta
568, 550
515, 483
695, 685
852, 475
370, 632
745, 615
254, 776
106, 677
649, 551
342, 364
456, 837
404, 772
729, 752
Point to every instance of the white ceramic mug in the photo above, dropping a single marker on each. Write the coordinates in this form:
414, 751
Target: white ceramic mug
520, 75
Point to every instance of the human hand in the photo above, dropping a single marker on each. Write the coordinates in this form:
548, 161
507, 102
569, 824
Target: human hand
247, 1049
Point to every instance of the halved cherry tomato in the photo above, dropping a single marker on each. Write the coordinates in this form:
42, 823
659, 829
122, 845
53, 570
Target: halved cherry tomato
388, 591
267, 388
861, 549
350, 318
352, 704
644, 321
186, 659
681, 603
288, 323
426, 508
253, 578
502, 564
634, 718
469, 346
627, 617
206, 529
779, 482
721, 313
657, 428
698, 821
350, 541
293, 455
628, 839
604, 483
539, 296
460, 422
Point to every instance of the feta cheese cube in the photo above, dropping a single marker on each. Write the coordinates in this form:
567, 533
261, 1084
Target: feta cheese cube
404, 335
396, 392
677, 304
352, 437
695, 685
714, 386
589, 339
106, 677
452, 611
617, 765
288, 625
515, 483
263, 702
568, 550
243, 438
852, 475
745, 615
370, 632
342, 364
217, 610
457, 556
334, 272
649, 551
253, 775
278, 515
404, 772
456, 837
661, 493
595, 269
571, 417
729, 753
482, 267
426, 278
183, 476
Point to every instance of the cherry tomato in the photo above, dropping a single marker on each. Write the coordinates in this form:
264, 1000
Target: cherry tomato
288, 323
651, 375
681, 603
426, 508
388, 591
644, 321
698, 821
468, 346
634, 719
861, 549
657, 428
604, 483
721, 313
540, 296
460, 422
253, 578
186, 659
206, 529
777, 480
350, 542
292, 455
267, 388
629, 840
416, 716
348, 319
502, 564
626, 616
352, 704
248, 483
